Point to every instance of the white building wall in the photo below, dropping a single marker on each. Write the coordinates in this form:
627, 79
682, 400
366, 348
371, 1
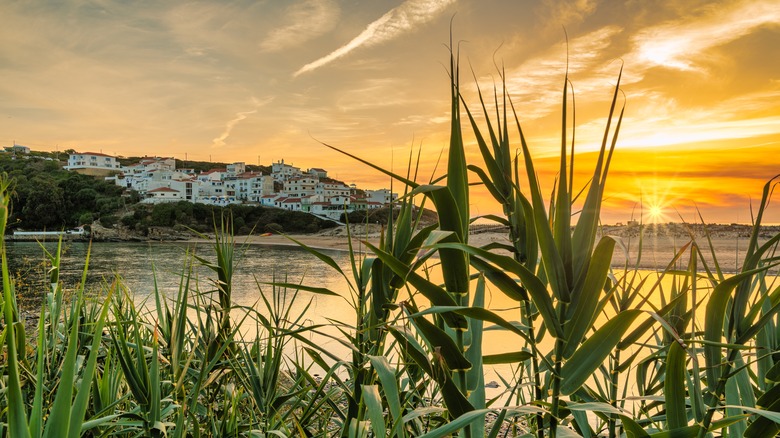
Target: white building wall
282, 172
93, 160
300, 187
383, 196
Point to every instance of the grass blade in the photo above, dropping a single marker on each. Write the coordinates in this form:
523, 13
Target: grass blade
674, 387
593, 351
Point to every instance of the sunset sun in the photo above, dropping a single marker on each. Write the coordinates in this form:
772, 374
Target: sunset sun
656, 213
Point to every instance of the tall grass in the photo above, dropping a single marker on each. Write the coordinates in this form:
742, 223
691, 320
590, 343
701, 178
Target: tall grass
597, 349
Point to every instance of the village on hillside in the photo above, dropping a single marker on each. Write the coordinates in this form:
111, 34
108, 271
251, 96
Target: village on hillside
157, 180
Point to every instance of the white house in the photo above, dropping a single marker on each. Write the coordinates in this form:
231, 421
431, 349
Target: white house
236, 168
17, 149
150, 163
212, 189
292, 204
270, 200
189, 186
301, 186
162, 194
92, 162
382, 196
282, 172
242, 186
212, 175
340, 200
261, 186
331, 189
317, 172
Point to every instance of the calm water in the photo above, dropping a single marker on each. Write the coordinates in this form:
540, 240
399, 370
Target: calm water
256, 263
134, 262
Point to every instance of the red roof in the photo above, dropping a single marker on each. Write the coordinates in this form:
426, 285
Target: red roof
99, 154
291, 200
300, 178
163, 189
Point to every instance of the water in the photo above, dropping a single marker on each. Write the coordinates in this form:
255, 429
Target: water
135, 262
255, 265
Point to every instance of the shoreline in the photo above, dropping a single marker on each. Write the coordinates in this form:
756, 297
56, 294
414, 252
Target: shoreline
657, 252
315, 241
660, 243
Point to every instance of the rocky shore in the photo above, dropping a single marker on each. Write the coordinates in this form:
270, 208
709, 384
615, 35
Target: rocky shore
100, 233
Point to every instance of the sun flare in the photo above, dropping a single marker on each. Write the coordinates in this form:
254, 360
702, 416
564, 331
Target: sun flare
656, 212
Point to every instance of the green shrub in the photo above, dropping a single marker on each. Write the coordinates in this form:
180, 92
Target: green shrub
129, 221
85, 218
274, 228
108, 221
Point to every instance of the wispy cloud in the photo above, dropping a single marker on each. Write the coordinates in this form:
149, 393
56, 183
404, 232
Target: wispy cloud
679, 44
396, 22
304, 21
242, 115
568, 12
538, 81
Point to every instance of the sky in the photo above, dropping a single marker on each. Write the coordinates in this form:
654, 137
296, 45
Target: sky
261, 81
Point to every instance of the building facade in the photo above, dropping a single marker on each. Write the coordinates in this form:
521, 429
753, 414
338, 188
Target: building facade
92, 163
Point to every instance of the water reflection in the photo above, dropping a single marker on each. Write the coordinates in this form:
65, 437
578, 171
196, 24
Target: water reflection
136, 263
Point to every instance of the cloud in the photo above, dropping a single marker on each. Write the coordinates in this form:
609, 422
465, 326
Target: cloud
537, 82
396, 22
220, 141
678, 44
568, 12
305, 21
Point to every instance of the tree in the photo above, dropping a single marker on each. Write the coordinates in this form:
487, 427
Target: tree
85, 199
44, 206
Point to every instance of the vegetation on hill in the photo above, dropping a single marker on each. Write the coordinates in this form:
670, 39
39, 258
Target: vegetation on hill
47, 197
184, 215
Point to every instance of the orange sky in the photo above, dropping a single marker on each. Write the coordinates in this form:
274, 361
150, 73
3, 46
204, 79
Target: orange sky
258, 81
